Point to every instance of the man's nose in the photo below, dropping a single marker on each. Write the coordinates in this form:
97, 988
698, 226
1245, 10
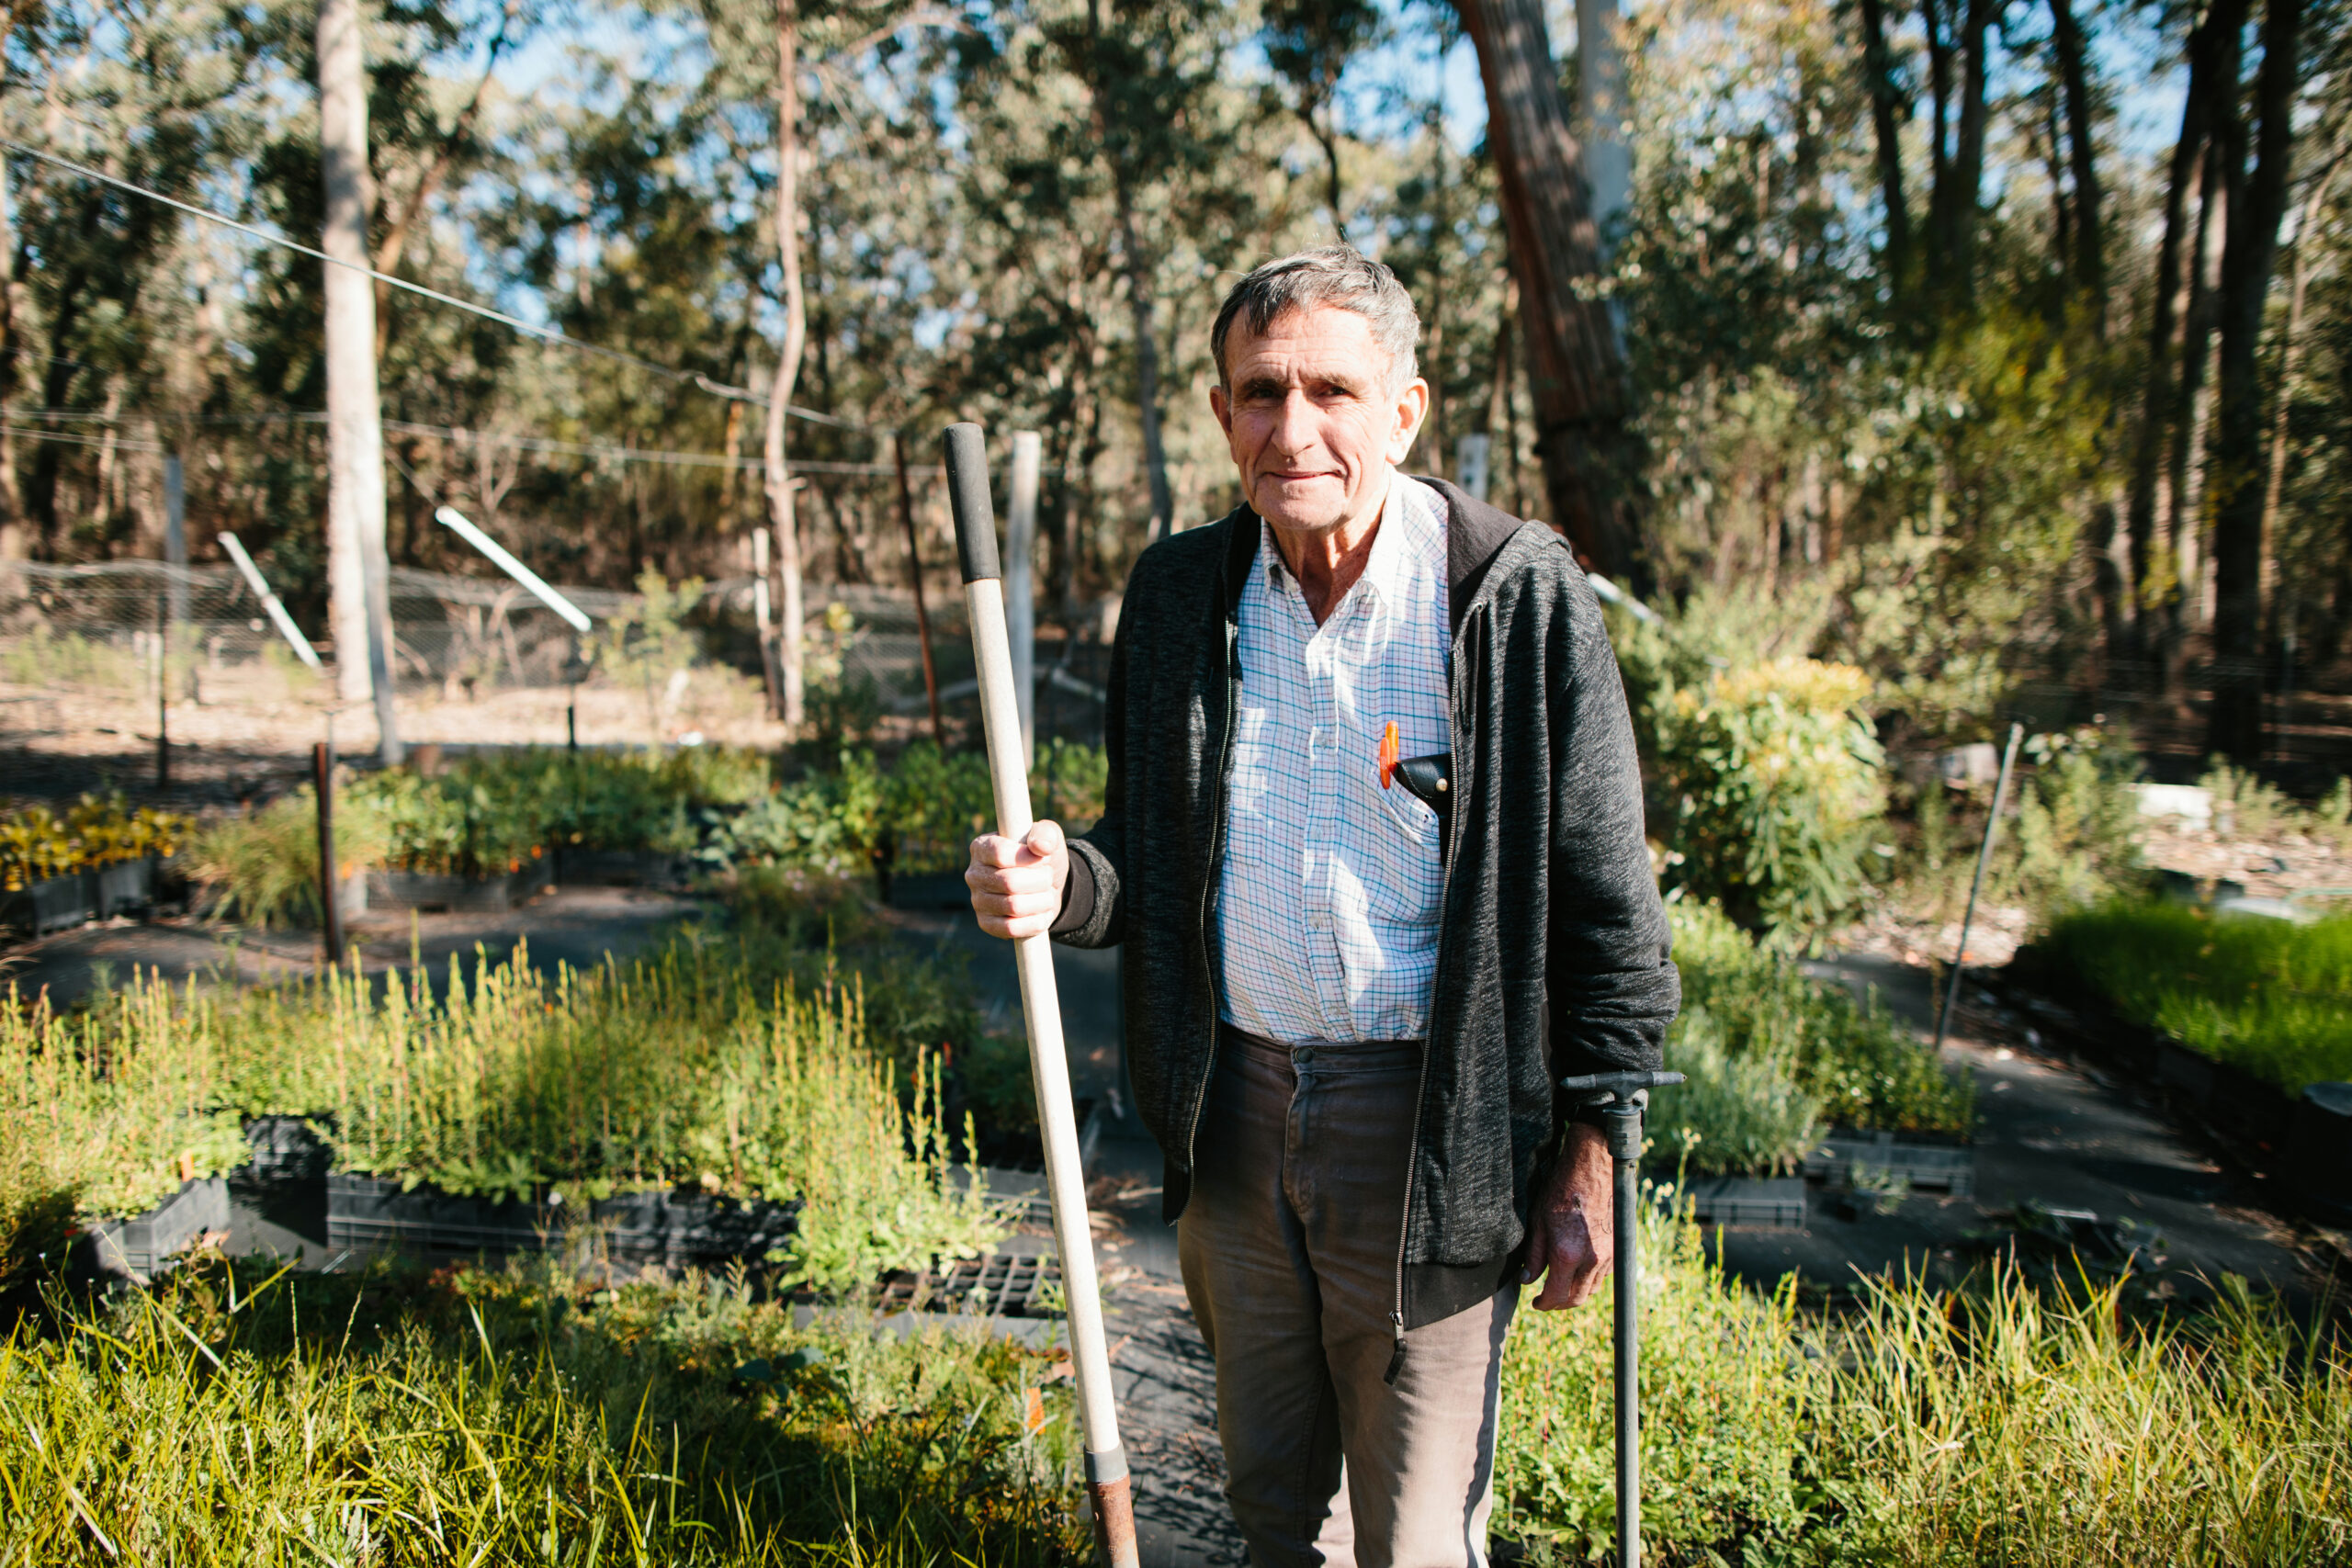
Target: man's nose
1294, 426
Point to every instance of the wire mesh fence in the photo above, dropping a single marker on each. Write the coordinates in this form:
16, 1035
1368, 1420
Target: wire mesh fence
130, 631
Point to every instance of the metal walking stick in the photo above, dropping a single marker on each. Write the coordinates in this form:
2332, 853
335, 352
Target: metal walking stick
1622, 1096
1106, 1463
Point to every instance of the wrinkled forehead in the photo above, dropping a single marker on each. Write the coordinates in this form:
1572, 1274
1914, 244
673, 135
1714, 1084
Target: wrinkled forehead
1307, 343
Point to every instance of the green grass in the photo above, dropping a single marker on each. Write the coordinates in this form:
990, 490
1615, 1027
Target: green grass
2269, 997
489, 1418
519, 1415
2000, 1425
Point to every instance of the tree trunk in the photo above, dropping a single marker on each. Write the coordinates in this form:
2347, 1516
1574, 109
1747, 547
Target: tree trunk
2090, 222
1886, 107
787, 367
1931, 20
2192, 410
2148, 500
14, 545
2290, 363
1327, 138
1574, 365
2234, 488
1141, 294
358, 567
1967, 167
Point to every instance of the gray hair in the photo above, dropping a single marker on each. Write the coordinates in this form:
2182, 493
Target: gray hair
1337, 275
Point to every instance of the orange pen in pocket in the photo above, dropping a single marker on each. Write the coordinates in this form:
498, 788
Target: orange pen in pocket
1390, 755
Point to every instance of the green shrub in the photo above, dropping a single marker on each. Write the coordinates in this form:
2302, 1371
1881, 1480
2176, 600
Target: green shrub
1771, 777
1740, 1113
262, 868
501, 1419
1862, 1068
36, 843
1723, 1418
109, 1109
922, 811
2266, 996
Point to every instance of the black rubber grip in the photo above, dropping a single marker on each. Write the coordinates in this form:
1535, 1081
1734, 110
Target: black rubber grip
968, 495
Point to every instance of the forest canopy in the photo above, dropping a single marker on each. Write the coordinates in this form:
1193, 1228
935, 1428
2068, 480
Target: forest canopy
1985, 346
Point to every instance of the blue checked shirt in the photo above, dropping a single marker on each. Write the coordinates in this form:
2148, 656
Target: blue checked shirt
1326, 913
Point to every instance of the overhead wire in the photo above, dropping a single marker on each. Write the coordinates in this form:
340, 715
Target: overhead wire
691, 377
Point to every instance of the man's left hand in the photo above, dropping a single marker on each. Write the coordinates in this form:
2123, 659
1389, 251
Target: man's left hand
1574, 1241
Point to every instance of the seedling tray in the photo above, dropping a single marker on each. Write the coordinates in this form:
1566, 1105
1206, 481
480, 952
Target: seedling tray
140, 1247
53, 904
669, 1230
1744, 1202
1926, 1168
999, 1284
618, 868
689, 1227
430, 890
366, 1214
122, 886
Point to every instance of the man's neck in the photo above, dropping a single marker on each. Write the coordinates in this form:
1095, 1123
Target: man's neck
1326, 562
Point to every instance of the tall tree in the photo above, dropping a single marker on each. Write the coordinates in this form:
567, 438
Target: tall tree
2090, 248
1310, 42
778, 472
358, 564
2234, 489
2211, 76
1888, 105
1576, 367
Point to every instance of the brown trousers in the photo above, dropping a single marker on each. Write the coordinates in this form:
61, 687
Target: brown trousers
1289, 1247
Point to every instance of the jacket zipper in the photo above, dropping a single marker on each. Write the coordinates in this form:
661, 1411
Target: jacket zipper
1429, 1028
1208, 895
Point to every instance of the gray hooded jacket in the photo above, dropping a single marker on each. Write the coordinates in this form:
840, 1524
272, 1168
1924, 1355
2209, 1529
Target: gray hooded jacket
1551, 941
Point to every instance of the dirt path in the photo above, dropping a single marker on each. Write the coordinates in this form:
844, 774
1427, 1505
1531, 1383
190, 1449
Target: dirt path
577, 926
2048, 1132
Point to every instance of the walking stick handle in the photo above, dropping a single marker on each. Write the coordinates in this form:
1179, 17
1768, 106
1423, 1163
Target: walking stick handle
1108, 1488
967, 497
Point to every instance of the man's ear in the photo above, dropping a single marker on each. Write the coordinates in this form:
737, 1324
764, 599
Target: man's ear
1221, 406
1412, 407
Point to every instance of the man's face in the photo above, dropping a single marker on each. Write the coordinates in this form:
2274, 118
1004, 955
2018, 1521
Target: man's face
1312, 423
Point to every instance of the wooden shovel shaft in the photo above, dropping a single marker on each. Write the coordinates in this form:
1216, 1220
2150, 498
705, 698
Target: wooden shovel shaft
1107, 1463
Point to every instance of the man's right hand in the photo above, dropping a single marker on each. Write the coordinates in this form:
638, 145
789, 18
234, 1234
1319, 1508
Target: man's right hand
1017, 886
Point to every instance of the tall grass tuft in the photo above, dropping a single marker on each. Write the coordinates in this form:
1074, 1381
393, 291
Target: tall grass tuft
500, 1418
1998, 1424
2010, 1426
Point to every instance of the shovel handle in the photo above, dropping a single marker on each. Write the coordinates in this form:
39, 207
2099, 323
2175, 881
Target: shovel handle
1108, 1488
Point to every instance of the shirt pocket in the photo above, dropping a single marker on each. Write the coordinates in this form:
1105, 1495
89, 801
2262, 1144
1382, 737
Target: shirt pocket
1401, 872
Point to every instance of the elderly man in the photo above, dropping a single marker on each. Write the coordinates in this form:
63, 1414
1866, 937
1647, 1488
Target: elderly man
1372, 838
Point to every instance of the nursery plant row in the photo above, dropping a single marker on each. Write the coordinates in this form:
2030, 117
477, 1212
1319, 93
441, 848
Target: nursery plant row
2227, 1021
519, 1094
596, 816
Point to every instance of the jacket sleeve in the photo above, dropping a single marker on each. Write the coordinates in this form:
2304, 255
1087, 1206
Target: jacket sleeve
1093, 914
1611, 983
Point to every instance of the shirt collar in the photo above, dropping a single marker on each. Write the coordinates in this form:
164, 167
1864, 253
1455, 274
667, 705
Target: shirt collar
1409, 530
